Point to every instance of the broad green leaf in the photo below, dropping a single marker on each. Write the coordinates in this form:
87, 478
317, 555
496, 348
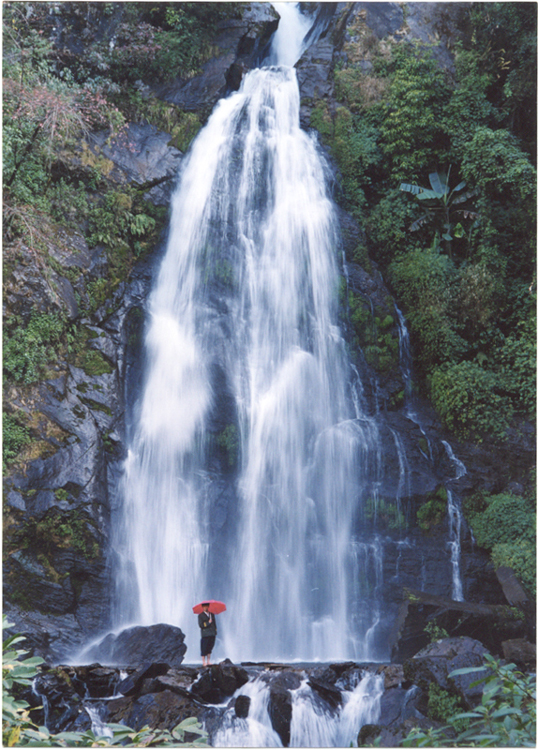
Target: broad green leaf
438, 181
415, 189
504, 711
430, 195
466, 670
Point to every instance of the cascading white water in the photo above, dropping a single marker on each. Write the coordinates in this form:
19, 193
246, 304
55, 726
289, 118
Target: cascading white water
312, 725
252, 206
454, 529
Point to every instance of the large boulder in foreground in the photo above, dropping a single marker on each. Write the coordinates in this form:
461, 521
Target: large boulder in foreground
139, 645
435, 663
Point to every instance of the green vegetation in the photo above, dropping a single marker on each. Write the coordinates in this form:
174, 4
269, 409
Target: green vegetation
29, 349
18, 729
441, 704
436, 633
228, 440
373, 331
505, 717
55, 530
459, 254
15, 436
387, 513
433, 510
505, 525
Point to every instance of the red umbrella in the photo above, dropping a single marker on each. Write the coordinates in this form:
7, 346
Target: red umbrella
215, 607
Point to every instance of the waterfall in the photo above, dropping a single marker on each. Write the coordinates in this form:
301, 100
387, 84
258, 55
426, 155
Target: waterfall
246, 295
454, 527
312, 724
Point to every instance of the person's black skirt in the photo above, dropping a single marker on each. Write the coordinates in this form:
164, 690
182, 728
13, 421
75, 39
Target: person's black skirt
207, 644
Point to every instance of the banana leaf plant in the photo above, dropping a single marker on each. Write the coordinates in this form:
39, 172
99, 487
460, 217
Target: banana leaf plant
445, 208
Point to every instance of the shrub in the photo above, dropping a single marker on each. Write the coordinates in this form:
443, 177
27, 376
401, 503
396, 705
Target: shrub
494, 162
14, 437
424, 281
28, 350
411, 126
505, 525
518, 364
468, 399
506, 716
433, 510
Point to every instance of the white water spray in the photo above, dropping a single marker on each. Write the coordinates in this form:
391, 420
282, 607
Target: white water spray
251, 212
312, 723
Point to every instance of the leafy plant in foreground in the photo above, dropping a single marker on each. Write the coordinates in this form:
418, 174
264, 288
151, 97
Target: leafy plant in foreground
505, 717
19, 730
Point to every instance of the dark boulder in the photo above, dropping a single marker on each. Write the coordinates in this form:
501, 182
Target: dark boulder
56, 691
242, 706
392, 736
435, 663
280, 709
219, 681
133, 683
328, 692
164, 710
94, 681
521, 653
399, 704
139, 645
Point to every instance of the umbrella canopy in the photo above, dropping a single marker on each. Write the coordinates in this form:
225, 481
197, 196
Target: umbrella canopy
215, 607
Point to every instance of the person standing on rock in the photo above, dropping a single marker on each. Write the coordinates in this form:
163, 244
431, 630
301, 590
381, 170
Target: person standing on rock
208, 627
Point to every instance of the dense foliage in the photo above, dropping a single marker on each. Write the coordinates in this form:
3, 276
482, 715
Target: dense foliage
505, 525
18, 729
505, 717
457, 241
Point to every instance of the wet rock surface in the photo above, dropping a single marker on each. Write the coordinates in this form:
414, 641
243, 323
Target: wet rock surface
491, 623
160, 645
242, 42
161, 696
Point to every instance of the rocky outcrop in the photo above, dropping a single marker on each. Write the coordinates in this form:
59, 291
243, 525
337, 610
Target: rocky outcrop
491, 623
241, 42
161, 697
137, 646
219, 681
435, 663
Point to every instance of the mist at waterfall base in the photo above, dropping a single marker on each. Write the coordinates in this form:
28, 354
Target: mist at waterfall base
243, 351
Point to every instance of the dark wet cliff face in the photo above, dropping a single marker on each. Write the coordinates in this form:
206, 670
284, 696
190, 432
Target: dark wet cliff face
62, 490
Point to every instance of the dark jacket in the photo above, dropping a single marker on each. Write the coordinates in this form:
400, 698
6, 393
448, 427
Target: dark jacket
207, 628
